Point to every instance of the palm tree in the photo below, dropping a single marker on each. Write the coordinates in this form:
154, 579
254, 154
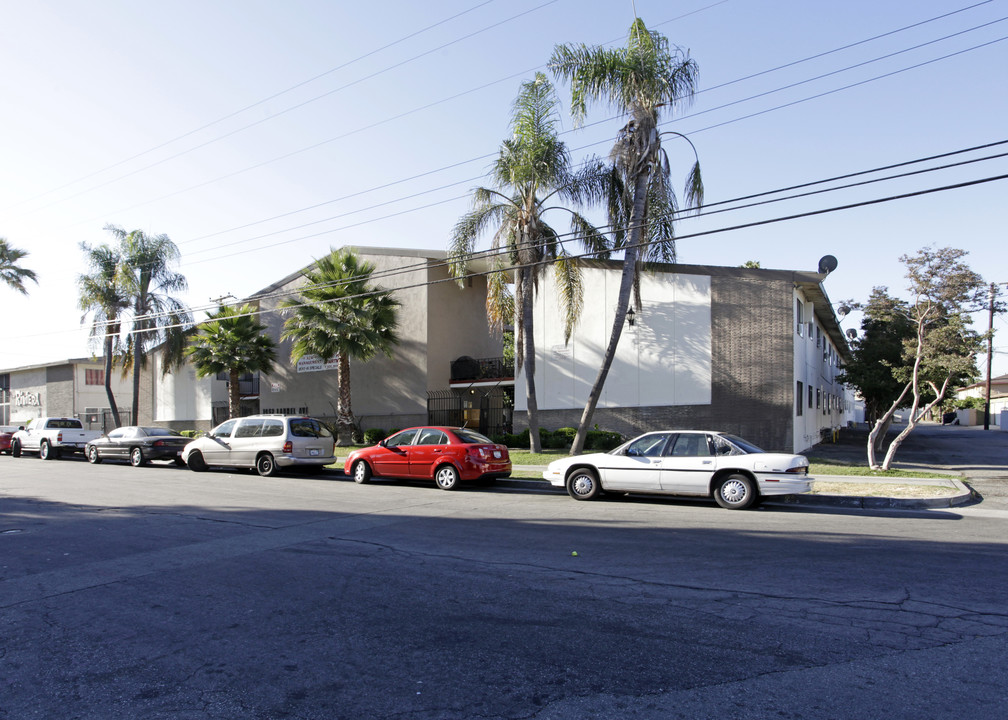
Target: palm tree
103, 297
532, 170
640, 81
231, 340
156, 316
341, 315
10, 272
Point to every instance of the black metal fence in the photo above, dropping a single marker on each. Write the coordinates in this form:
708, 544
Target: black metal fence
104, 420
485, 410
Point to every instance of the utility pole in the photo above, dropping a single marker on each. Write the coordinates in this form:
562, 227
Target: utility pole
990, 353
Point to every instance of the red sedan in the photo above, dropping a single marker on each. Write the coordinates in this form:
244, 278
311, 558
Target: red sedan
5, 439
444, 455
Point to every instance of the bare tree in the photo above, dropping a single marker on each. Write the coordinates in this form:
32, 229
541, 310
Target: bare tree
943, 349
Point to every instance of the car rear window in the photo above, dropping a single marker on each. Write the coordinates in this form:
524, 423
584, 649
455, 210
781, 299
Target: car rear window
743, 444
470, 436
307, 427
160, 432
65, 424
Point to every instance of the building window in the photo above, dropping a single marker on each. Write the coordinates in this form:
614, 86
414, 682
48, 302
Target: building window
810, 397
800, 398
818, 398
94, 377
801, 317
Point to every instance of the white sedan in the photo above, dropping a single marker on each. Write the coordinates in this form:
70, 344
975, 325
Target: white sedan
684, 462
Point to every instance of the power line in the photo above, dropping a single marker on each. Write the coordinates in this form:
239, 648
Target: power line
297, 106
680, 119
455, 198
264, 100
399, 116
504, 252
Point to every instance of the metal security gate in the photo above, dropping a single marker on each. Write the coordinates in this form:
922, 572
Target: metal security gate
486, 410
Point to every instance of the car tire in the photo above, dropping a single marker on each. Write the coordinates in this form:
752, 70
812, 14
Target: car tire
735, 492
361, 472
136, 457
15, 448
196, 462
46, 451
446, 477
266, 465
92, 455
583, 484
179, 462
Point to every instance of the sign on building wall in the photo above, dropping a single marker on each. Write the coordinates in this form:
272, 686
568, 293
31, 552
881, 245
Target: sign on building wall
27, 399
313, 363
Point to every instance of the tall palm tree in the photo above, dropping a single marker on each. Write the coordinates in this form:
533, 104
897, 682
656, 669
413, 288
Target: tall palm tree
101, 295
231, 340
12, 273
341, 315
156, 316
640, 81
532, 170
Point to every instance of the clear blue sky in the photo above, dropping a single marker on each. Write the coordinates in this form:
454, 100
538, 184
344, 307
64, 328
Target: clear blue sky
257, 135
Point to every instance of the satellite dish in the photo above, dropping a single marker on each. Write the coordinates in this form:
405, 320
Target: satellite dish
851, 333
827, 264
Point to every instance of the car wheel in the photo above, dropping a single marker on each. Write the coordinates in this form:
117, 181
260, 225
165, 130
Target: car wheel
735, 492
583, 484
361, 472
266, 465
136, 457
92, 455
46, 452
15, 449
196, 462
446, 477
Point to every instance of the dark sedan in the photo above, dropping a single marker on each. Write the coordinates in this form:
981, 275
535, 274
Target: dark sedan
138, 445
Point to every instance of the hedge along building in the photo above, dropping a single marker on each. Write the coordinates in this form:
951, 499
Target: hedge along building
439, 323
749, 351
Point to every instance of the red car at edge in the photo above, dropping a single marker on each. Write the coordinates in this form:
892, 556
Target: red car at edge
442, 454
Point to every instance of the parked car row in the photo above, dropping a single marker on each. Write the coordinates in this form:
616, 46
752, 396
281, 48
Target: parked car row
732, 471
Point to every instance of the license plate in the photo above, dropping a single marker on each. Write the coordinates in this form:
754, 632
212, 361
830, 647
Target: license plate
313, 451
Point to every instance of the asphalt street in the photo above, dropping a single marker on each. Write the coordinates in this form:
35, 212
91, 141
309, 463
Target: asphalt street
159, 593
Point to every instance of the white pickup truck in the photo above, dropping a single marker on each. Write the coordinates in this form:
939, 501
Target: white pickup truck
50, 437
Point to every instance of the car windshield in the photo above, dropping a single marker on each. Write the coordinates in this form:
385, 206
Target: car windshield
308, 427
743, 445
472, 437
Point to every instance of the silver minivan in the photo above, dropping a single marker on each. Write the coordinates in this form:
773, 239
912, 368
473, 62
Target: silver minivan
268, 443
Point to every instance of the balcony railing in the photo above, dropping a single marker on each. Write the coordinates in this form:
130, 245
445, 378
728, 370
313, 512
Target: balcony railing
481, 369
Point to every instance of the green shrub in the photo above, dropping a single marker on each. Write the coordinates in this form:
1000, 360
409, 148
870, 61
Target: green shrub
603, 440
373, 435
554, 440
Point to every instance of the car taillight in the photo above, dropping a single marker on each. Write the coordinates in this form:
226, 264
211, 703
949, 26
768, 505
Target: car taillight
800, 469
59, 437
288, 447
159, 443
